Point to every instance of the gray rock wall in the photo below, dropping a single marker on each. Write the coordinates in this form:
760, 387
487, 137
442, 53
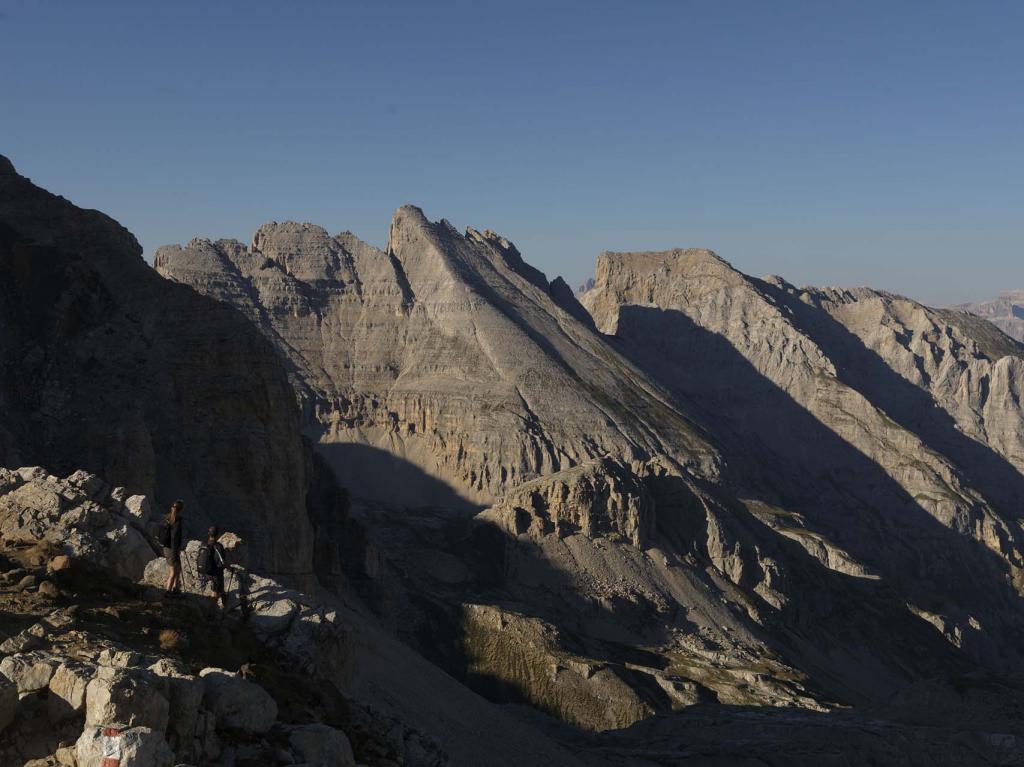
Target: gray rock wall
107, 366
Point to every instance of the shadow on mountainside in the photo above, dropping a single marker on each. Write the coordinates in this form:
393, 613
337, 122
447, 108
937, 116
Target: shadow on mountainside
374, 474
419, 569
747, 736
854, 638
908, 405
782, 454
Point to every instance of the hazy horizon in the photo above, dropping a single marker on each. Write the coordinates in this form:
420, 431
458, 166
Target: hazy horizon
861, 145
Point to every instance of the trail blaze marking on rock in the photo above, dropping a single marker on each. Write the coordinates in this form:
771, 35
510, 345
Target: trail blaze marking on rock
111, 747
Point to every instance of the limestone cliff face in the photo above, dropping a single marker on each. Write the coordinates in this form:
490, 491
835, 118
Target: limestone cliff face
712, 489
886, 427
447, 351
968, 369
597, 499
690, 491
108, 366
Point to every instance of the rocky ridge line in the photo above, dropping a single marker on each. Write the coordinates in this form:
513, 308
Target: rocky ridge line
1005, 312
446, 349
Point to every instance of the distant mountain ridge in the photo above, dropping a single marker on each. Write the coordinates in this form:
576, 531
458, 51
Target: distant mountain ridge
1005, 312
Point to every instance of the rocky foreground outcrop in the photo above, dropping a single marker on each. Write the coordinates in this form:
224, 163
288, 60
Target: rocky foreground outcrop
279, 678
72, 549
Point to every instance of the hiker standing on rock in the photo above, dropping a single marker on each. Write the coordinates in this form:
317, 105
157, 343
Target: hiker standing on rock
171, 536
212, 564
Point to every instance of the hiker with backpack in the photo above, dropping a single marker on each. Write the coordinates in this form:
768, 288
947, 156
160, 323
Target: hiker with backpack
171, 537
211, 564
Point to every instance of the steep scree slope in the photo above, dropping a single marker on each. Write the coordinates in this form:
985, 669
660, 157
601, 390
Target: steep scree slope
890, 430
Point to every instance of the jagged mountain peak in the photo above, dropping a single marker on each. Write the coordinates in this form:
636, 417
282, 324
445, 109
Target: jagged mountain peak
638, 277
489, 375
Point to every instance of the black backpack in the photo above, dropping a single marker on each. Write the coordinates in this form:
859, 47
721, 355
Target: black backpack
165, 534
206, 563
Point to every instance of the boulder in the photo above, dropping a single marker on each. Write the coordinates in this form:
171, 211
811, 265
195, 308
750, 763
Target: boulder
61, 618
8, 701
61, 514
129, 549
31, 638
27, 583
237, 704
206, 743
91, 485
29, 513
155, 571
185, 695
118, 496
111, 656
272, 612
314, 640
28, 473
136, 746
139, 507
30, 671
119, 697
236, 551
321, 745
48, 589
67, 690
9, 480
59, 563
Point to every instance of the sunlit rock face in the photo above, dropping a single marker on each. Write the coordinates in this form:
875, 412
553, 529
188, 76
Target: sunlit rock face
446, 350
691, 488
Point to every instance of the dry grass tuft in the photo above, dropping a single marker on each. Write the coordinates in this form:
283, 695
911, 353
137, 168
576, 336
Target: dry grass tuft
171, 640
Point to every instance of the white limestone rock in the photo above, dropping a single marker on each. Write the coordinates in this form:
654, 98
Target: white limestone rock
62, 513
93, 487
140, 508
67, 687
126, 698
185, 696
30, 671
138, 747
237, 703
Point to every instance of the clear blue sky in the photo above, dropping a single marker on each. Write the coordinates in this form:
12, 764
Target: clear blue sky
843, 143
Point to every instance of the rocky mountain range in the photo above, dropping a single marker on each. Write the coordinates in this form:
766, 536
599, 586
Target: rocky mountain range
686, 516
1005, 312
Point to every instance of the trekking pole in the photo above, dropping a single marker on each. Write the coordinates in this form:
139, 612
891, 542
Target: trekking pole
193, 575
